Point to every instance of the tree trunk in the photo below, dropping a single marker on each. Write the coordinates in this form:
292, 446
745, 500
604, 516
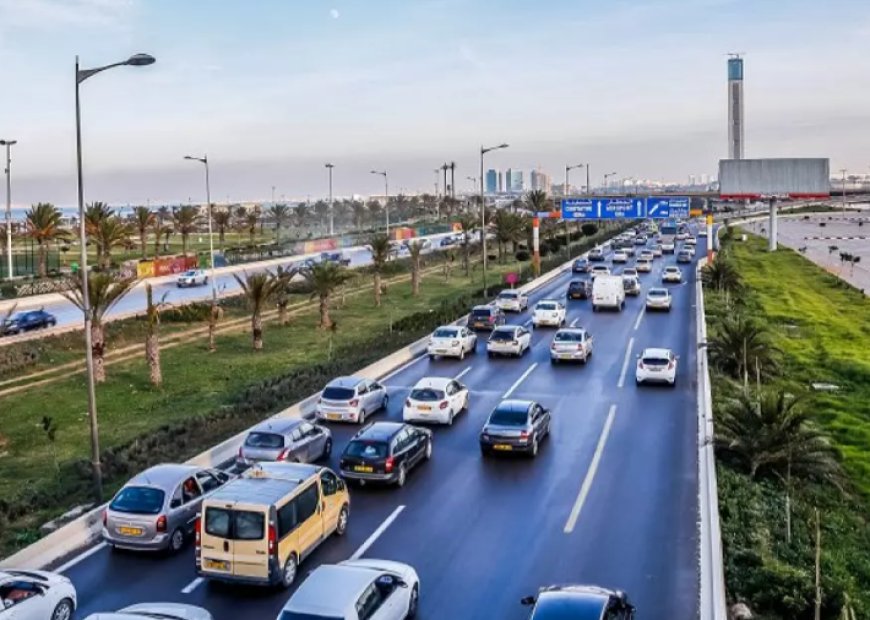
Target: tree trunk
143, 242
43, 258
283, 317
184, 237
156, 245
257, 330
415, 280
212, 327
221, 236
377, 278
98, 350
325, 320
152, 355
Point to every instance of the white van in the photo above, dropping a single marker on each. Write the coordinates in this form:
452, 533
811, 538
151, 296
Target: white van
608, 292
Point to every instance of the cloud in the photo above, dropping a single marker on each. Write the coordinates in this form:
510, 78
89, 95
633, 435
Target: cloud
334, 13
50, 14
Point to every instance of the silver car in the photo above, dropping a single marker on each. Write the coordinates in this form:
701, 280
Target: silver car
291, 439
515, 426
156, 509
351, 399
151, 611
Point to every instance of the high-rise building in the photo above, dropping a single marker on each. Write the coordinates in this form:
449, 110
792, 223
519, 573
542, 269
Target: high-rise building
508, 180
735, 107
491, 181
516, 181
500, 181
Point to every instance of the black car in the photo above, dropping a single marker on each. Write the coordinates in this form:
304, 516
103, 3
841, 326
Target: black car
581, 265
385, 452
579, 289
485, 317
25, 321
515, 426
579, 603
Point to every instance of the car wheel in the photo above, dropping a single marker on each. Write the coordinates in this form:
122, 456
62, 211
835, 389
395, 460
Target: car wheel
490, 354
327, 449
361, 418
52, 323
461, 354
534, 451
413, 602
288, 575
63, 610
403, 473
554, 360
176, 541
449, 421
341, 523
431, 356
385, 402
429, 449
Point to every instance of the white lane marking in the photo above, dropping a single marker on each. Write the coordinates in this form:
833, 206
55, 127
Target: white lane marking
193, 585
639, 318
520, 380
527, 323
574, 322
403, 367
82, 556
625, 363
377, 533
590, 474
462, 374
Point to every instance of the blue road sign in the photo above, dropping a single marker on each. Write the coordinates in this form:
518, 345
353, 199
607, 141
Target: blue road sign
658, 207
662, 207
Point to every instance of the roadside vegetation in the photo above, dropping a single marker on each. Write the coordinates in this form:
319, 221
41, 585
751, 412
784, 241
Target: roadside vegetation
788, 346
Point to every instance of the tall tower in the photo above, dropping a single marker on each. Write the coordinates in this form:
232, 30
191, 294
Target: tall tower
735, 107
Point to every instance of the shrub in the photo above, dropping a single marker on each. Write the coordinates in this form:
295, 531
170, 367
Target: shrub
522, 255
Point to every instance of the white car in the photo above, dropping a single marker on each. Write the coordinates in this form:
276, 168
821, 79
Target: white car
667, 247
36, 595
656, 366
435, 399
451, 341
702, 232
647, 255
152, 611
371, 589
569, 344
672, 274
192, 277
599, 270
657, 250
512, 300
508, 340
689, 248
620, 256
549, 312
658, 299
644, 265
629, 271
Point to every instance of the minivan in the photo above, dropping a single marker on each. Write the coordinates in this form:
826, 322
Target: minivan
608, 292
258, 528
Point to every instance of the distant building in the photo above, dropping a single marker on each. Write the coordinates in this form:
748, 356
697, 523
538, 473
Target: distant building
500, 182
540, 181
491, 181
514, 180
735, 107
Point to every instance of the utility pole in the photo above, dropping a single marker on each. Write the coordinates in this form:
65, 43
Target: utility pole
10, 267
843, 170
331, 210
484, 151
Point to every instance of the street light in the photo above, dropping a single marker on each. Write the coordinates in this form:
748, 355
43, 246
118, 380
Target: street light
204, 161
8, 144
567, 183
473, 181
386, 196
136, 60
331, 213
565, 191
607, 176
484, 151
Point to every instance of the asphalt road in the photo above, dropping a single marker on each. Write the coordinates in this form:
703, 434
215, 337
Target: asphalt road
611, 498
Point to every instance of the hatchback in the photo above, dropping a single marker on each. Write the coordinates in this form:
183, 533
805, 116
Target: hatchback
580, 265
672, 274
684, 256
549, 312
485, 317
29, 594
25, 321
656, 366
644, 265
513, 300
509, 340
595, 255
620, 256
451, 341
579, 603
658, 299
385, 452
435, 399
285, 439
579, 289
570, 344
351, 399
631, 285
599, 270
515, 426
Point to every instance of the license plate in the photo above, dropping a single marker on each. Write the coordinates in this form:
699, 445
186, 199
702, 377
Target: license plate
502, 446
565, 356
424, 408
216, 565
130, 531
333, 416
479, 324
363, 468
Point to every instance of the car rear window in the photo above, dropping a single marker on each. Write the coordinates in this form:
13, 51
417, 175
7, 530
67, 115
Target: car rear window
235, 524
292, 615
568, 337
366, 449
657, 292
547, 306
508, 417
445, 333
655, 361
507, 295
138, 500
338, 393
427, 394
501, 334
264, 440
481, 312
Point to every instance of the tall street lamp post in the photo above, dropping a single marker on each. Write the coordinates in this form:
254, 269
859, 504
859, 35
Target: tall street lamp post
386, 196
607, 176
136, 60
566, 193
483, 151
8, 144
331, 210
204, 161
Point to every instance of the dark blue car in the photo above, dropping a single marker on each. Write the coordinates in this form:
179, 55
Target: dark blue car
579, 603
581, 265
25, 321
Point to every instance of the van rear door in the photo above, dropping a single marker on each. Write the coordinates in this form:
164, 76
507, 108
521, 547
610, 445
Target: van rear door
216, 544
251, 542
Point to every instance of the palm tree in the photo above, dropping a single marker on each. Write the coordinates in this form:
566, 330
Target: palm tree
258, 288
469, 223
184, 221
283, 278
251, 221
321, 212
739, 344
112, 233
95, 214
324, 278
537, 200
144, 219
381, 251
415, 252
222, 219
43, 224
152, 338
279, 213
722, 275
105, 289
769, 433
359, 213
509, 228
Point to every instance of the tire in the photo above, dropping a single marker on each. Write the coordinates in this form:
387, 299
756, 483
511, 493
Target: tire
361, 419
205, 282
490, 354
413, 602
288, 574
402, 477
534, 451
176, 541
461, 354
341, 523
431, 357
386, 402
450, 419
428, 453
53, 323
554, 360
63, 610
327, 449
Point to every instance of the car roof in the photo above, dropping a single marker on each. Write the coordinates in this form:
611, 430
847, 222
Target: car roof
510, 291
438, 383
331, 589
447, 327
548, 301
277, 425
345, 382
658, 289
515, 405
163, 476
672, 268
656, 352
380, 430
265, 483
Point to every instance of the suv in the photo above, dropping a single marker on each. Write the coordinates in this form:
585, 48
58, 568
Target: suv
485, 317
285, 439
515, 426
579, 289
351, 399
384, 452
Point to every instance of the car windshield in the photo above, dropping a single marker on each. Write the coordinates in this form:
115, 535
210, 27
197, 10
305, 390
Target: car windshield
190, 273
427, 394
507, 295
569, 337
545, 306
672, 270
264, 440
361, 448
509, 417
502, 334
481, 312
138, 500
338, 393
445, 333
293, 615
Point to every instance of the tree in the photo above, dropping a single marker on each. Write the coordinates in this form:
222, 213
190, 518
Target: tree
112, 233
321, 212
740, 344
95, 214
143, 219
184, 221
301, 214
537, 200
222, 219
258, 289
283, 279
360, 212
43, 225
279, 213
722, 275
769, 433
381, 250
468, 222
415, 251
152, 338
324, 278
104, 291
508, 228
589, 229
251, 221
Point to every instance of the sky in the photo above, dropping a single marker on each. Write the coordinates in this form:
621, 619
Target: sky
271, 90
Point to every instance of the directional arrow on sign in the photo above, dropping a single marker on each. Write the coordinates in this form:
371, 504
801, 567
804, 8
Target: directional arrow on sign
599, 209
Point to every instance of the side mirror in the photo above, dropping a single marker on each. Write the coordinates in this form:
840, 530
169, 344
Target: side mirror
527, 600
175, 503
401, 583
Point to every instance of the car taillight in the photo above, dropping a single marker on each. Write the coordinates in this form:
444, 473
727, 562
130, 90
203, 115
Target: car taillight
515, 341
283, 454
105, 518
197, 530
670, 365
492, 319
354, 402
161, 523
273, 539
524, 435
444, 404
388, 464
640, 365
580, 347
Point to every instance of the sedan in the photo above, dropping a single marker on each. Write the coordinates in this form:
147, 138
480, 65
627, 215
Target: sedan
684, 256
36, 595
451, 341
579, 603
515, 426
435, 399
154, 611
509, 340
620, 256
672, 274
512, 300
644, 265
192, 277
293, 440
26, 321
600, 270
658, 299
656, 366
549, 312
570, 344
596, 255
646, 255
657, 250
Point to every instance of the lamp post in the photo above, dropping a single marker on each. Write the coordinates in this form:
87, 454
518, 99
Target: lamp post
843, 170
607, 176
136, 60
483, 151
8, 144
204, 161
331, 212
565, 193
386, 196
587, 179
473, 181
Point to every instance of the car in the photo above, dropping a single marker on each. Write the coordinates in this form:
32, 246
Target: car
599, 270
364, 588
656, 366
26, 321
608, 292
192, 277
631, 284
549, 312
596, 255
508, 340
447, 241
629, 249
334, 257
667, 247
657, 250
485, 317
512, 300
451, 341
351, 399
644, 265
620, 256
294, 440
385, 452
629, 271
690, 242
658, 299
646, 255
640, 240
156, 509
154, 611
579, 289
682, 235
672, 274
29, 594
684, 256
515, 426
579, 603
435, 399
580, 265
571, 344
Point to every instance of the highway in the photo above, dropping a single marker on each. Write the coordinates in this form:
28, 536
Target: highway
611, 499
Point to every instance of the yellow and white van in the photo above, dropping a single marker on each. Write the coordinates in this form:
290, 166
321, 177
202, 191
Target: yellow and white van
259, 527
